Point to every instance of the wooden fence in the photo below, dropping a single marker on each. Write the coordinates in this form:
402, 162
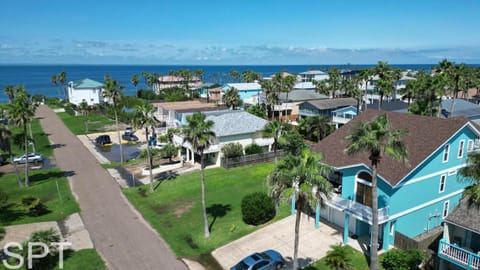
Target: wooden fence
249, 159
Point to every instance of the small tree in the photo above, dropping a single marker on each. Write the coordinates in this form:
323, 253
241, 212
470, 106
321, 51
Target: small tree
397, 259
232, 150
257, 208
47, 237
169, 150
339, 257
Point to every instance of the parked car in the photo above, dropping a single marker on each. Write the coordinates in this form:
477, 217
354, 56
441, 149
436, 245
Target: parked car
31, 158
103, 140
267, 260
128, 130
129, 137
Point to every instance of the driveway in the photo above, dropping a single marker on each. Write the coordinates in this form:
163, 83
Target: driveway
314, 243
118, 231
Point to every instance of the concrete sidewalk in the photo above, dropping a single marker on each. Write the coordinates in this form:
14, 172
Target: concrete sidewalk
314, 243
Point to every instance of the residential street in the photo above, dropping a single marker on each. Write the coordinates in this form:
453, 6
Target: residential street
118, 232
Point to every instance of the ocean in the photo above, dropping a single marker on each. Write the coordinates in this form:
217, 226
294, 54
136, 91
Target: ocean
36, 78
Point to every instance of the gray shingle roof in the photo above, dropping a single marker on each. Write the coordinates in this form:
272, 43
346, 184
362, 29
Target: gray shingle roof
465, 215
301, 95
461, 108
235, 122
333, 103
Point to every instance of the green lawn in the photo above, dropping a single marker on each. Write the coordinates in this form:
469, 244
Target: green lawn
174, 209
42, 185
359, 262
85, 259
97, 123
42, 144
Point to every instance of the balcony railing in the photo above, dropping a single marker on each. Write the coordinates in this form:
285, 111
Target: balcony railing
458, 255
357, 209
342, 119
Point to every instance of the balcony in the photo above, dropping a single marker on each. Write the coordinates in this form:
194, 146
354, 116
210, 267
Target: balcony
342, 119
357, 209
458, 255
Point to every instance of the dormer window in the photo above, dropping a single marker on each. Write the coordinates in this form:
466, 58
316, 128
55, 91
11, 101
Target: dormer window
446, 150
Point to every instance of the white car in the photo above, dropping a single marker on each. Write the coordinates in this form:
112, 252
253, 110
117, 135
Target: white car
32, 158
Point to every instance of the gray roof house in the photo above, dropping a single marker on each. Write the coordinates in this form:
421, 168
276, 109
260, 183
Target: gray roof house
230, 127
461, 108
459, 247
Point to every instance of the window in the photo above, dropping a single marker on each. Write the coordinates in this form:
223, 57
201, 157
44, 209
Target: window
460, 148
445, 208
392, 227
470, 146
446, 149
443, 179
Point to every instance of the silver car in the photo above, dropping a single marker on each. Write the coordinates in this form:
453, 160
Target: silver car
32, 158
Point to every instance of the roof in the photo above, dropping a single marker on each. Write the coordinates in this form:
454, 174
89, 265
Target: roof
465, 215
176, 79
284, 74
86, 84
313, 72
301, 95
235, 122
215, 90
346, 109
390, 106
332, 103
461, 108
420, 142
243, 86
186, 106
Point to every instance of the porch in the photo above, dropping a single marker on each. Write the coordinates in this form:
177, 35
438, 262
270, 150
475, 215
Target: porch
458, 256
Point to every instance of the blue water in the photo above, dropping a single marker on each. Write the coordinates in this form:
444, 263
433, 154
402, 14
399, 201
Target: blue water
36, 78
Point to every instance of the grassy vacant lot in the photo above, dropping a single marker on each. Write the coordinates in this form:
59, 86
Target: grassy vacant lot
174, 209
358, 260
42, 144
96, 123
42, 185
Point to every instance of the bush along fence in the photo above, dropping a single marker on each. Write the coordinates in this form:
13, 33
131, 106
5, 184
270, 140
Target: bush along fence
228, 163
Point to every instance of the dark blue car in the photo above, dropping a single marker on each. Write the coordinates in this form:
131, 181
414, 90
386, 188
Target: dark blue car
267, 260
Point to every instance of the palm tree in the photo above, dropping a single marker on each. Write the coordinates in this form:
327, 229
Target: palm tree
365, 75
231, 98
134, 80
321, 87
21, 113
169, 150
62, 79
5, 135
274, 130
85, 109
471, 175
269, 89
339, 257
334, 80
198, 132
235, 74
376, 138
144, 118
319, 126
113, 91
350, 86
10, 92
309, 184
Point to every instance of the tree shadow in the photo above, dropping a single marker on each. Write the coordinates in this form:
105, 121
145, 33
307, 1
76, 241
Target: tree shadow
303, 263
8, 213
217, 211
45, 176
57, 145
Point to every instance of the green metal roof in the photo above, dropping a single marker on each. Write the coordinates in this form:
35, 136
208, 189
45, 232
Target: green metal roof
87, 84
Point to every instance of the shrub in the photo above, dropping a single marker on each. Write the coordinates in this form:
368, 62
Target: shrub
338, 257
253, 149
47, 237
231, 150
257, 208
2, 233
33, 206
70, 108
402, 259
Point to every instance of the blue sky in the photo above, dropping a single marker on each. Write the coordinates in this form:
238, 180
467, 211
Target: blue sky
209, 32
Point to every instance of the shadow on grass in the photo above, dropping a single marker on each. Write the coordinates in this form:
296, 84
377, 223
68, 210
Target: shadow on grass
217, 211
44, 176
8, 213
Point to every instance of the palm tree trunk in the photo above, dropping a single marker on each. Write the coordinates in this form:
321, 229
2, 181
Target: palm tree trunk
204, 206
275, 151
298, 215
118, 134
31, 137
27, 183
17, 174
366, 94
374, 239
149, 160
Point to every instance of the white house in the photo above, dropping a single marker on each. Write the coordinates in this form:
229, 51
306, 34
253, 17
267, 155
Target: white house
229, 127
86, 90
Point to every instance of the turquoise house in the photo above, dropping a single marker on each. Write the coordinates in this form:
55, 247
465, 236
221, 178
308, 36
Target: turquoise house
413, 198
245, 90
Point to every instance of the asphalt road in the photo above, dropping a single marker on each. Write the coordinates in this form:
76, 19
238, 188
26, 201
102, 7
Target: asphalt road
118, 232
